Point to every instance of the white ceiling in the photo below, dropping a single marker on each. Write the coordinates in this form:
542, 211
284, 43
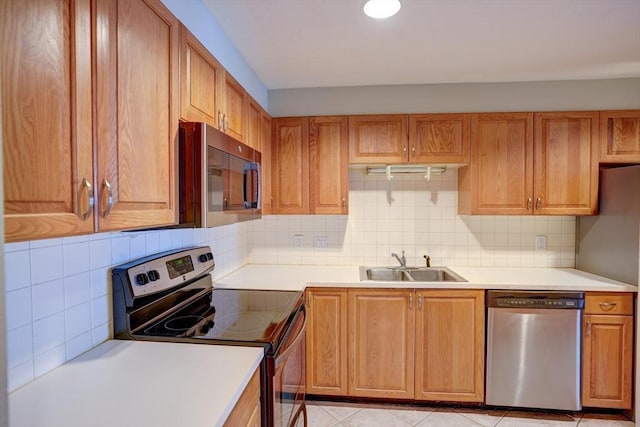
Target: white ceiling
324, 43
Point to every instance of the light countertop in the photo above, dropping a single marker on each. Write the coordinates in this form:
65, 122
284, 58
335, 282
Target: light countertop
138, 383
297, 277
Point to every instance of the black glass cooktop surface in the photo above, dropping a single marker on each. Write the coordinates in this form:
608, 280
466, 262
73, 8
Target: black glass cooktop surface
243, 316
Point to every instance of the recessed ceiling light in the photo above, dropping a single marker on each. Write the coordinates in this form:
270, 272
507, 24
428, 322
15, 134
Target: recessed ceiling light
380, 9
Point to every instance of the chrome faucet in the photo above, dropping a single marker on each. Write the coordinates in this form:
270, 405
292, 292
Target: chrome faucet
402, 260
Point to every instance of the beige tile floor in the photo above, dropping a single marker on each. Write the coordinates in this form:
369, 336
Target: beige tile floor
331, 414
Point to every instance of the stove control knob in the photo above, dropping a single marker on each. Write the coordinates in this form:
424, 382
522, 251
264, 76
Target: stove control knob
202, 258
142, 279
154, 275
209, 256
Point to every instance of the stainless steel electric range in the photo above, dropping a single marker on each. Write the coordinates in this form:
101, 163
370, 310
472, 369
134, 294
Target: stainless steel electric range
170, 297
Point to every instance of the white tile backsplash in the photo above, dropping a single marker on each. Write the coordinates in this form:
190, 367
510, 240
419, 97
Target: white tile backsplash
417, 216
58, 291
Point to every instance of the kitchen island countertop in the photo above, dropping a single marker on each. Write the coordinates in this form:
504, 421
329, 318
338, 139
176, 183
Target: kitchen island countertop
298, 277
138, 383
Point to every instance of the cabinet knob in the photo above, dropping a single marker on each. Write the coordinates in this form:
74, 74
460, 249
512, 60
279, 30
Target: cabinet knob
419, 302
588, 328
529, 204
538, 203
86, 185
344, 202
411, 301
109, 193
413, 151
404, 152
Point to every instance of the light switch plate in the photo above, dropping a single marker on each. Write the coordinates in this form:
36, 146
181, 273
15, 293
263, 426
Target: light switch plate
541, 242
298, 241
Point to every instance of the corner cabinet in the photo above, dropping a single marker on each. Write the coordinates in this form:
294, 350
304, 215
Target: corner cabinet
607, 350
450, 345
129, 101
328, 165
309, 166
381, 330
620, 136
327, 341
290, 165
525, 163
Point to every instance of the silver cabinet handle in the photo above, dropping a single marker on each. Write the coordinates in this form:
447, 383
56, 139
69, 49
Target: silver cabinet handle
529, 204
411, 301
107, 187
86, 185
538, 203
419, 302
588, 328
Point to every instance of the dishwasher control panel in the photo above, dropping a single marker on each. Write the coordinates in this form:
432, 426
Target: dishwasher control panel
548, 300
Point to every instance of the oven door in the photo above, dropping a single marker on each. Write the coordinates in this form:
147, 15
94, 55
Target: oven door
289, 380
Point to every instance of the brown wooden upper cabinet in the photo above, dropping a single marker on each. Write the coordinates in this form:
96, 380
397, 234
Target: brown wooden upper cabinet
233, 116
200, 75
329, 169
290, 165
49, 95
415, 138
265, 150
309, 165
254, 124
523, 163
620, 136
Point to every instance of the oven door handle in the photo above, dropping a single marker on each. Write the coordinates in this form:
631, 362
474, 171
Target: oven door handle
281, 355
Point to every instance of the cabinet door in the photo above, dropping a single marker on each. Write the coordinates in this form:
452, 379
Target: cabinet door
499, 179
439, 138
199, 75
254, 124
607, 361
620, 136
137, 113
290, 165
450, 345
381, 337
244, 413
327, 341
235, 108
45, 65
265, 151
378, 139
566, 163
329, 167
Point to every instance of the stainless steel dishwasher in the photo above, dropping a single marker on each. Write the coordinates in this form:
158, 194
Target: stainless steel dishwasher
533, 349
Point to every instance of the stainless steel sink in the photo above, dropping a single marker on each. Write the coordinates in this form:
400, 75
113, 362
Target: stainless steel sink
410, 274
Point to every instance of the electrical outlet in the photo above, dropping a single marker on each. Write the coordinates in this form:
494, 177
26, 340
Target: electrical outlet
541, 242
320, 242
298, 241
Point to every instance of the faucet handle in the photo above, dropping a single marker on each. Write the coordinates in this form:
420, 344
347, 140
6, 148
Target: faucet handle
427, 259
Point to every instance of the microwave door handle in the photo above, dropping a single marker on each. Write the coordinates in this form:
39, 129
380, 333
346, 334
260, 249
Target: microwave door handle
248, 168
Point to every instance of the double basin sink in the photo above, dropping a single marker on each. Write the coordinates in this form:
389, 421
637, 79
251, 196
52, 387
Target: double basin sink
410, 274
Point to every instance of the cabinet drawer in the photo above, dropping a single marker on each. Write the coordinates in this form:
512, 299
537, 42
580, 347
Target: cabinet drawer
608, 303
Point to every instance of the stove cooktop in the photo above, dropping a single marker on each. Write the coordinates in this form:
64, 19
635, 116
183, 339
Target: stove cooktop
255, 316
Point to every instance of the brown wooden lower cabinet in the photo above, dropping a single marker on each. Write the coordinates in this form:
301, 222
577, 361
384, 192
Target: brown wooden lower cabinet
246, 413
381, 329
450, 345
607, 351
327, 341
396, 343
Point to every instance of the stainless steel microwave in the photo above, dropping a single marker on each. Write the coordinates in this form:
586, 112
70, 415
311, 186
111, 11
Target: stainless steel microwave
218, 178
